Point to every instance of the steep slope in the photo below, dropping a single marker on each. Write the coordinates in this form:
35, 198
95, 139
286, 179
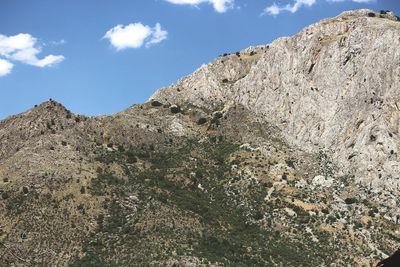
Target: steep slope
225, 168
332, 87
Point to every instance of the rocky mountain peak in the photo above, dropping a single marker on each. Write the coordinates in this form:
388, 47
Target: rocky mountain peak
47, 118
332, 87
359, 13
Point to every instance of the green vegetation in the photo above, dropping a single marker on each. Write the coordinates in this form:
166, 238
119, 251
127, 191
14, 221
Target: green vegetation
225, 232
350, 200
201, 121
175, 109
216, 118
156, 103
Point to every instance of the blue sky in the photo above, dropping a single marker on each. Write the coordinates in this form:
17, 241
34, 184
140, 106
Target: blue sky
100, 57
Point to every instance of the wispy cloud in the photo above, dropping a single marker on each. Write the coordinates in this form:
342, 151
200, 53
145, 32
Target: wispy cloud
58, 43
276, 9
135, 35
24, 48
356, 1
158, 35
220, 6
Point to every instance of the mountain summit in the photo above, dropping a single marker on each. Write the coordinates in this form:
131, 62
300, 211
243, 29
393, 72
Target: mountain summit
283, 154
333, 87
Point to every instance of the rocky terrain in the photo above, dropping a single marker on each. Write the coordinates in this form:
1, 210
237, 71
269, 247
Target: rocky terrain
278, 155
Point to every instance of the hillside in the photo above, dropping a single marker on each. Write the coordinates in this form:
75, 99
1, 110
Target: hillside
283, 154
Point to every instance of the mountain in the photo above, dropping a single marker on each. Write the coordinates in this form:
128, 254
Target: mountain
278, 155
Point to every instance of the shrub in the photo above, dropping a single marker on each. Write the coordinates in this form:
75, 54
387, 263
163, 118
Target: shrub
350, 200
237, 54
5, 195
5, 179
80, 207
25, 190
83, 190
268, 184
372, 138
225, 80
63, 143
156, 103
130, 157
175, 109
258, 216
217, 117
201, 121
371, 14
325, 211
373, 211
290, 163
77, 119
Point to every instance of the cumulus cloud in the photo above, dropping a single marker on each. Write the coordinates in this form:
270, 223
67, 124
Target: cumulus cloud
276, 9
5, 67
220, 6
135, 35
23, 48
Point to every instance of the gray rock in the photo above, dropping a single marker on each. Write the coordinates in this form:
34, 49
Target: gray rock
333, 87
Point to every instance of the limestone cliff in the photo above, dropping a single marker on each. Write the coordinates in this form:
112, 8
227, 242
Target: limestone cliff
332, 87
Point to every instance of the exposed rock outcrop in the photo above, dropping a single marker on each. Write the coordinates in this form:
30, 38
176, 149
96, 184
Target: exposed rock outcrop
332, 87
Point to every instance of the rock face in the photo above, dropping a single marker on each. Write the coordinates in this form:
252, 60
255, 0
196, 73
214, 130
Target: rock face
279, 155
332, 87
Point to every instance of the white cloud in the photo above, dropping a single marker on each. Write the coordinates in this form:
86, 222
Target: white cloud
135, 35
158, 35
356, 1
274, 9
58, 43
23, 47
220, 6
5, 67
49, 61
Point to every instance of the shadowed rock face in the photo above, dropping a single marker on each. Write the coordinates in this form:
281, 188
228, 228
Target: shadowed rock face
392, 261
280, 155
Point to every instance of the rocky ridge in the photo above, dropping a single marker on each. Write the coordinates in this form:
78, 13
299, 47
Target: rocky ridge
331, 87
